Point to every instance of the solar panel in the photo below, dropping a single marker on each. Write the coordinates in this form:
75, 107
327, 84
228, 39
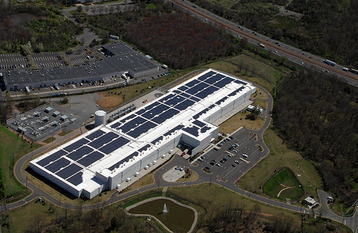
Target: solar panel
184, 105
141, 129
192, 83
221, 100
128, 118
115, 125
102, 140
205, 76
155, 111
192, 130
55, 166
195, 99
69, 171
224, 82
240, 82
197, 88
183, 88
213, 79
198, 123
95, 134
196, 116
126, 159
178, 127
140, 112
236, 91
76, 179
118, 143
172, 102
91, 158
206, 128
157, 140
165, 116
80, 153
144, 148
132, 124
165, 98
203, 94
185, 95
53, 157
177, 91
152, 105
75, 145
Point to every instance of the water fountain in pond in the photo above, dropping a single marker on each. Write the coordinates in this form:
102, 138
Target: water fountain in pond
165, 209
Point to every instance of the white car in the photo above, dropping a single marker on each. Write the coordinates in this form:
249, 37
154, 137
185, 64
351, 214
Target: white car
245, 156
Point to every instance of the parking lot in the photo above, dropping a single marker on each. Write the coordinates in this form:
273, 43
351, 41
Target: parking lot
230, 161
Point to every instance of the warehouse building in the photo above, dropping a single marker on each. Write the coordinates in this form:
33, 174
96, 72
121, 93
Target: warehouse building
122, 59
109, 154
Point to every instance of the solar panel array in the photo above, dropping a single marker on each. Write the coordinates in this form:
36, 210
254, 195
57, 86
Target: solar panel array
145, 119
68, 163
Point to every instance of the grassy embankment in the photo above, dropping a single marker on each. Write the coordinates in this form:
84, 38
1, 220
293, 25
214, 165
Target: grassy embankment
281, 156
12, 148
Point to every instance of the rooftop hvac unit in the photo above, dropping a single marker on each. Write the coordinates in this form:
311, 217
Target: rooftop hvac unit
118, 186
146, 167
128, 179
136, 174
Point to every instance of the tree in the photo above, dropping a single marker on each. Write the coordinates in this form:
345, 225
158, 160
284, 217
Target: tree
254, 113
79, 8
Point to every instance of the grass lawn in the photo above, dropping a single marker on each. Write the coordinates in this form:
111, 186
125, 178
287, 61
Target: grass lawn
64, 133
48, 140
109, 101
239, 120
212, 197
193, 177
283, 185
262, 103
12, 148
259, 94
280, 156
129, 92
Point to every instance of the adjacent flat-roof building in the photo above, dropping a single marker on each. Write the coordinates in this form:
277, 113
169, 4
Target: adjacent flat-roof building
123, 59
109, 154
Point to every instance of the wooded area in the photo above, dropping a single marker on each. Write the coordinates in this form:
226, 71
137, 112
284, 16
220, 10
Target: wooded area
176, 39
44, 27
317, 115
328, 29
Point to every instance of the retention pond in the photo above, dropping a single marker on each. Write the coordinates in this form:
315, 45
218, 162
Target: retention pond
172, 214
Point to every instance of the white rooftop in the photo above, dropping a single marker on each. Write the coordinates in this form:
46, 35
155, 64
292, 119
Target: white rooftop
107, 150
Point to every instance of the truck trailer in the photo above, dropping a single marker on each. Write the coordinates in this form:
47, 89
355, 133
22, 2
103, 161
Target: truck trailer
331, 63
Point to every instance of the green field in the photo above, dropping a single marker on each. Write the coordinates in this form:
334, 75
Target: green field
281, 156
49, 139
283, 185
12, 148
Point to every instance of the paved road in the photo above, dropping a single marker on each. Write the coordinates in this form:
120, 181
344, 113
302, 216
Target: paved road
293, 54
179, 161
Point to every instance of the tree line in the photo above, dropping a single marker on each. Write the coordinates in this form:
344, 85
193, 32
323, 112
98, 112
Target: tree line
317, 115
176, 39
47, 30
327, 29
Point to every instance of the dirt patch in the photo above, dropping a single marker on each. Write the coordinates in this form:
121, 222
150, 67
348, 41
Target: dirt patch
109, 101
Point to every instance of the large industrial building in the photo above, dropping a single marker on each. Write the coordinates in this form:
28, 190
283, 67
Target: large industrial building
109, 154
120, 59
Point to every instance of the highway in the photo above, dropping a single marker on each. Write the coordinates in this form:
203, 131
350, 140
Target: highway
293, 54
